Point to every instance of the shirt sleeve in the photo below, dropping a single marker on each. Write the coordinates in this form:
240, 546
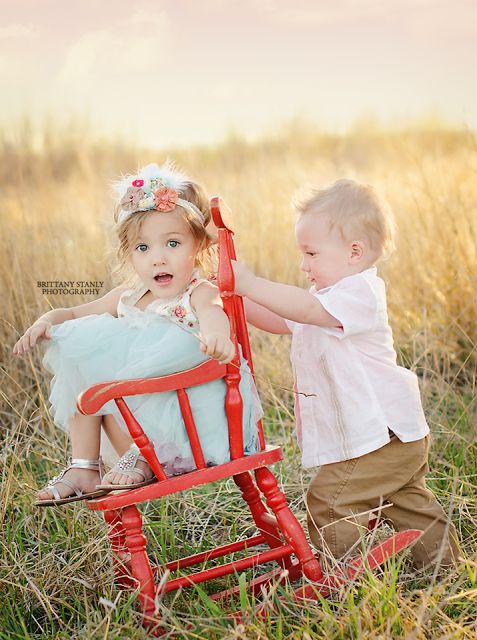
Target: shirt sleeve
352, 301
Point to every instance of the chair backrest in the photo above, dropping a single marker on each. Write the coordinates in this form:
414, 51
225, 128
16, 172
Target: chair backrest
234, 308
93, 398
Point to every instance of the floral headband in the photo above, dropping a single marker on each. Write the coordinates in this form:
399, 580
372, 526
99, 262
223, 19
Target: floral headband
154, 187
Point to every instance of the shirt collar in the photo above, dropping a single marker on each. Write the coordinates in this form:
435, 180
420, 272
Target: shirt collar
371, 270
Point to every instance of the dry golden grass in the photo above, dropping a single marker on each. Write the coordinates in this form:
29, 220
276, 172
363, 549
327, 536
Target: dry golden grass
55, 216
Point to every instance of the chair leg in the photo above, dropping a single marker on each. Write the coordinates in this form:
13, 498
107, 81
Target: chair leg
121, 555
271, 532
140, 565
289, 525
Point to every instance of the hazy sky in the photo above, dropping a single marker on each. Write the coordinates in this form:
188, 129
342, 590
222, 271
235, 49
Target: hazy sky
184, 71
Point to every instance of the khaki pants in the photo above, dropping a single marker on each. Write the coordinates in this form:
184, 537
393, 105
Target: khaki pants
393, 474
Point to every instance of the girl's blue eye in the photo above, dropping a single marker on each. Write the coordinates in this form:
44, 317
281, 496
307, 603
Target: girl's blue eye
141, 247
173, 243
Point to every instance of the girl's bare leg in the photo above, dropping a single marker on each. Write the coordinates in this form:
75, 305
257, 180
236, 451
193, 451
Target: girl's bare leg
121, 442
84, 435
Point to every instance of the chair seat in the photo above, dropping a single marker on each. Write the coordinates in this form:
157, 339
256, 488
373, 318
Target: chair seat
120, 499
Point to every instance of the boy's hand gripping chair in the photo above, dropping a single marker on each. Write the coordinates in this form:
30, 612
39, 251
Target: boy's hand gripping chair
277, 526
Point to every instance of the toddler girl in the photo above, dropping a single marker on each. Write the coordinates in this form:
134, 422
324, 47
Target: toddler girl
359, 415
171, 319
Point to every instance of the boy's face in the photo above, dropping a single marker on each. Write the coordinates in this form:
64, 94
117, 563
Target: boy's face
327, 257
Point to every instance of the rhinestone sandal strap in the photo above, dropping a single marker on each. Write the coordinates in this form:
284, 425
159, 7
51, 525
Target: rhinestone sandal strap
137, 452
127, 462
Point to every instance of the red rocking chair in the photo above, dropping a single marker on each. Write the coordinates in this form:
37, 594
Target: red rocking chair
277, 526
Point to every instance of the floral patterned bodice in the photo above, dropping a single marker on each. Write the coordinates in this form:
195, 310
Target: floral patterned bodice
178, 309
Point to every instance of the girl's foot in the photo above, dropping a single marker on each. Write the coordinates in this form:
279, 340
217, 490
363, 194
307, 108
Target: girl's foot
130, 472
76, 482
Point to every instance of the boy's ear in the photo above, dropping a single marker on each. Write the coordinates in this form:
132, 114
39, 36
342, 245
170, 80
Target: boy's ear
356, 251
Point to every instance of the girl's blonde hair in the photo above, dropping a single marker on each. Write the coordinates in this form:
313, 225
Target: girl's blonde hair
356, 210
128, 231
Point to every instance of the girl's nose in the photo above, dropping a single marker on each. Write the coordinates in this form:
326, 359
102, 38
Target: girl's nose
304, 265
158, 258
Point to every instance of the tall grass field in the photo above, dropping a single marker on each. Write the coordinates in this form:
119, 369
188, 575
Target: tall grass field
56, 578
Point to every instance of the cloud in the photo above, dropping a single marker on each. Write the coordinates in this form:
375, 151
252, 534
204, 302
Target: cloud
305, 12
326, 12
17, 31
453, 23
18, 44
230, 92
127, 49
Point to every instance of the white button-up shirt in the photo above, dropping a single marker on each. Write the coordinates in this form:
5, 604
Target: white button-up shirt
349, 389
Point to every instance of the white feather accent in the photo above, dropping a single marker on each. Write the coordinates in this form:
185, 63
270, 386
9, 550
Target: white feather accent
122, 215
166, 175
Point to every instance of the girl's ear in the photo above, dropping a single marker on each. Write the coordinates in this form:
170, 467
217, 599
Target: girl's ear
356, 251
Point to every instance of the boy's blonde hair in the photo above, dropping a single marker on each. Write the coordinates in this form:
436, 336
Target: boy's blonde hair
356, 210
128, 231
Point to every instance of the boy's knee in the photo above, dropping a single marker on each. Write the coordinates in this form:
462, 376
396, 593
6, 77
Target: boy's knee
332, 536
438, 545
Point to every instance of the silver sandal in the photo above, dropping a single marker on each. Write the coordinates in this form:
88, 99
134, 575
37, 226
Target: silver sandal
126, 465
74, 463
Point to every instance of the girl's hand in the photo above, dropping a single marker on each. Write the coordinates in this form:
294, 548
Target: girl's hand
213, 322
244, 278
218, 346
40, 330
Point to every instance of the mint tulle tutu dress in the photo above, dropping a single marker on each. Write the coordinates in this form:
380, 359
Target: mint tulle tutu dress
158, 341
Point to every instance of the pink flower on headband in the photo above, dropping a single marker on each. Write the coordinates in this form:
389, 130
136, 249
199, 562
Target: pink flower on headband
138, 183
165, 199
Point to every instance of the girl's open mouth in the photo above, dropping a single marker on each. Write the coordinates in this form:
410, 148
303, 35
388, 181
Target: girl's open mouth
163, 279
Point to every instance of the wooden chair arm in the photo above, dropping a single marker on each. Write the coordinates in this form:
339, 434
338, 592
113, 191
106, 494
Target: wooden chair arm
93, 398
